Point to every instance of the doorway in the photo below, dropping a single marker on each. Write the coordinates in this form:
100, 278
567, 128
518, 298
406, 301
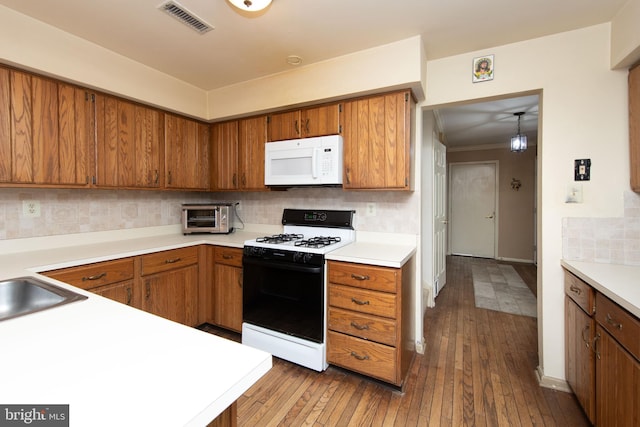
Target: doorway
472, 207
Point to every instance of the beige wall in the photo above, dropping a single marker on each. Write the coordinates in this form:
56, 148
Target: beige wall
515, 208
625, 35
583, 115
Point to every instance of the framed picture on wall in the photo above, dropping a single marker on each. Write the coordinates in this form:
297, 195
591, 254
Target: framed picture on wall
483, 68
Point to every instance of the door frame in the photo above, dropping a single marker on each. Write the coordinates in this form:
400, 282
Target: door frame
496, 223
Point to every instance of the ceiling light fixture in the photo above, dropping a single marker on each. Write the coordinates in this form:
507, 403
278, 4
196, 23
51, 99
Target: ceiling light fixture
250, 5
518, 141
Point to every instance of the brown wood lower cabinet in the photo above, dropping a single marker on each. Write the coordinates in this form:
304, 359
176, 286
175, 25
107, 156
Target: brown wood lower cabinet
602, 356
111, 279
164, 283
367, 332
227, 283
170, 284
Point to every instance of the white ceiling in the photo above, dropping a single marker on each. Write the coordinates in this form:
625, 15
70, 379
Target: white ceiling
489, 123
245, 47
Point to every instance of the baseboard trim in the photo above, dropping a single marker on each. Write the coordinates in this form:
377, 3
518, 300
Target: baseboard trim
524, 261
552, 383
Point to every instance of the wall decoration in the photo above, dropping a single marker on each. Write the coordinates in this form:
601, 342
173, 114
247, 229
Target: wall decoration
483, 68
516, 184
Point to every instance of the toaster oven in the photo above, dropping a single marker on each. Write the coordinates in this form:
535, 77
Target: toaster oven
207, 218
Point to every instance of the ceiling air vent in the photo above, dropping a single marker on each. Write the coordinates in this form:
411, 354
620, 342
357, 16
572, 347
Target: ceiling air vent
185, 16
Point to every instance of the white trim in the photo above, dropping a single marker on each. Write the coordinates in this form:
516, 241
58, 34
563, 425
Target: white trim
552, 383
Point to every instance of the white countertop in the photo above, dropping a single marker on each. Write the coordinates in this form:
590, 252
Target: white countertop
386, 255
620, 283
113, 364
116, 365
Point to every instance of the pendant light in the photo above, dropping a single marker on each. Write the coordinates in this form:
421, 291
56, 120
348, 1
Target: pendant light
250, 5
518, 141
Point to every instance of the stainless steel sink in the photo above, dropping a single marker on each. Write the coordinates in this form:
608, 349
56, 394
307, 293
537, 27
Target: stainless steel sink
26, 295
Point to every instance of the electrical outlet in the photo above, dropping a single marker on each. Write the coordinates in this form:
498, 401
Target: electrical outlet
371, 209
31, 208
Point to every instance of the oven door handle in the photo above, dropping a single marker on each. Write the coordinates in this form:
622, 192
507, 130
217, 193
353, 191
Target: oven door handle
271, 263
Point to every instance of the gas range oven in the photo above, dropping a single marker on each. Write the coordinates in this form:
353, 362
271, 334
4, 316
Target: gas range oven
284, 292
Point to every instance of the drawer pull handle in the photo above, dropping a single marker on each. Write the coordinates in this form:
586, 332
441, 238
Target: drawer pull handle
585, 339
359, 302
94, 277
172, 261
359, 327
359, 277
225, 256
129, 294
613, 323
357, 356
596, 350
575, 289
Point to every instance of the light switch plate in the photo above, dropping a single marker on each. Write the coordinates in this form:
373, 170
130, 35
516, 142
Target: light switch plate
582, 170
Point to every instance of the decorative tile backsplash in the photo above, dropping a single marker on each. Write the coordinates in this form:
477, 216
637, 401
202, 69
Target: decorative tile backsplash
81, 211
605, 240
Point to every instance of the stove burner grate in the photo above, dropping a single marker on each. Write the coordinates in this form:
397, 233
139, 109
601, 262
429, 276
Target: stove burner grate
317, 242
280, 238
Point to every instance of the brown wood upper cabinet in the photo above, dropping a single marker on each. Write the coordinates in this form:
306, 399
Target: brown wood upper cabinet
315, 121
129, 144
377, 142
186, 149
634, 126
45, 131
237, 155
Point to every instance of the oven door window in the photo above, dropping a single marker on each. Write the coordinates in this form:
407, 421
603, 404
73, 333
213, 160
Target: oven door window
284, 297
201, 218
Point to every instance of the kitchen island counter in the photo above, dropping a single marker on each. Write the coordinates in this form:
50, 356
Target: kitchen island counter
113, 364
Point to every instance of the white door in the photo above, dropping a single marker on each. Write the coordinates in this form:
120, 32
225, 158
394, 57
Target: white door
439, 214
472, 219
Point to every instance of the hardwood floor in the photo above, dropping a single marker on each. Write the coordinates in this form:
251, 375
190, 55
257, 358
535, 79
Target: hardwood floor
477, 370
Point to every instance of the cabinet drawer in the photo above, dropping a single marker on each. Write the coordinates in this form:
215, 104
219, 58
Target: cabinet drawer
580, 292
364, 276
363, 326
94, 275
362, 300
169, 260
366, 357
229, 256
622, 325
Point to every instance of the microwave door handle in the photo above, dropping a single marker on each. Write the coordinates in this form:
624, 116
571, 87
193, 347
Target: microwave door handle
314, 163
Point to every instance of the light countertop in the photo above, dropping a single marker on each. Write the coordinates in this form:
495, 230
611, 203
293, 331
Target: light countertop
116, 365
620, 283
386, 255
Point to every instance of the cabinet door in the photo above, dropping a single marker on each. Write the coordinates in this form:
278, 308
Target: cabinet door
617, 383
47, 132
320, 121
634, 126
121, 292
224, 159
228, 296
186, 153
173, 294
129, 149
281, 126
579, 358
252, 137
377, 142
6, 167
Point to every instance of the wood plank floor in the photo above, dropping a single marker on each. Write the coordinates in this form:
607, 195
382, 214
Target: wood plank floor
477, 370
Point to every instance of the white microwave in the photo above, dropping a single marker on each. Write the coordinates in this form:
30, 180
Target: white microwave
306, 161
